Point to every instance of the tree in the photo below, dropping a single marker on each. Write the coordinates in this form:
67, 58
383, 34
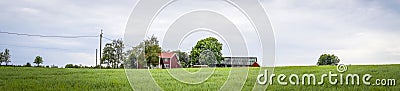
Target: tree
38, 60
152, 51
209, 44
2, 58
108, 54
136, 57
145, 54
183, 58
113, 53
328, 59
119, 53
7, 56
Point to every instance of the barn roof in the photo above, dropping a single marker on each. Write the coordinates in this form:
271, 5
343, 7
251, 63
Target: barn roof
167, 55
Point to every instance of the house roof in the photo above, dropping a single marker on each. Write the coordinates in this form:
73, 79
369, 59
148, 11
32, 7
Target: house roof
167, 55
255, 64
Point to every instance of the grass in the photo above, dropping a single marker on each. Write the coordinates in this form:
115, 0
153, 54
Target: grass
26, 78
43, 79
380, 72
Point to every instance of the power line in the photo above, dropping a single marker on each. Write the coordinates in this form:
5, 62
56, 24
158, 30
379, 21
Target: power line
49, 36
112, 40
48, 48
107, 38
107, 35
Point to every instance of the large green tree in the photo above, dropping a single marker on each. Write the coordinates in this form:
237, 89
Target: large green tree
108, 54
119, 53
328, 59
113, 54
38, 60
152, 51
207, 45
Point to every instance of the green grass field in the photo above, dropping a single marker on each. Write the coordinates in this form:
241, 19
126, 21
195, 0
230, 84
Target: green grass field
26, 78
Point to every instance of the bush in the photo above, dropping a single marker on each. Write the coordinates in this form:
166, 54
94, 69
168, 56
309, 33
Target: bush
328, 59
28, 65
69, 66
97, 66
53, 66
76, 66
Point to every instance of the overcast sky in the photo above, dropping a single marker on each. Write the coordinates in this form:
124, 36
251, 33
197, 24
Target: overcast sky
358, 31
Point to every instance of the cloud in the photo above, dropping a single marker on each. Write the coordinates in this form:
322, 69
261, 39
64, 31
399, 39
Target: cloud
60, 17
29, 11
360, 32
81, 58
371, 48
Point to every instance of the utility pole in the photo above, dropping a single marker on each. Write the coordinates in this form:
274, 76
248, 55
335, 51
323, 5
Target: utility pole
101, 37
96, 59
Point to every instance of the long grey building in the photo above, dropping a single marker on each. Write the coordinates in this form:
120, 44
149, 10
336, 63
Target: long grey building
238, 62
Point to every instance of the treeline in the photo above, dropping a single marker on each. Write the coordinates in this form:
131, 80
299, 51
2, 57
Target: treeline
29, 65
90, 67
5, 57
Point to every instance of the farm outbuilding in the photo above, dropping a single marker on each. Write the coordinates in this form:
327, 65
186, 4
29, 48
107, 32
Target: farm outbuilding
239, 62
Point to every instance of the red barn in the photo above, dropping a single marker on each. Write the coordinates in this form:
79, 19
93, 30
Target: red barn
169, 59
